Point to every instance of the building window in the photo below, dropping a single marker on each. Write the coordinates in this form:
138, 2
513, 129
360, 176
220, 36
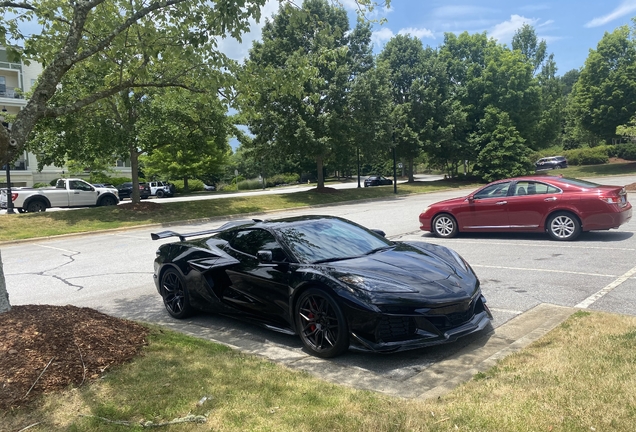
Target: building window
3, 86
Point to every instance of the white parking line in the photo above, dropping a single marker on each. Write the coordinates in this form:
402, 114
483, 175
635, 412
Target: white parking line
542, 270
594, 297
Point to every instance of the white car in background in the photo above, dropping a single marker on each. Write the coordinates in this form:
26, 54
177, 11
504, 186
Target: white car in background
160, 189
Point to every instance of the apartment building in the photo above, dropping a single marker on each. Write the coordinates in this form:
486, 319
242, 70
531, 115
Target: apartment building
16, 80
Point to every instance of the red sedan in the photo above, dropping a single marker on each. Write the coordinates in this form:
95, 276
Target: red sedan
561, 206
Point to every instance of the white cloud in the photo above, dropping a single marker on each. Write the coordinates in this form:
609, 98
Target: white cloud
504, 31
381, 36
418, 32
626, 8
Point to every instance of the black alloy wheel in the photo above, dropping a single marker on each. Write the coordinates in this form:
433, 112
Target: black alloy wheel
321, 324
175, 295
36, 206
444, 226
563, 226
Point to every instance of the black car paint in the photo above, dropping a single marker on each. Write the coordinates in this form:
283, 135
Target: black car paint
226, 281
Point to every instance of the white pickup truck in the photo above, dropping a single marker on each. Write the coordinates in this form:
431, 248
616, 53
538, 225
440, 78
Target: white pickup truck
66, 193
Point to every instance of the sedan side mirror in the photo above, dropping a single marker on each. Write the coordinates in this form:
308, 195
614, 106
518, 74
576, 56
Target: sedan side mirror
470, 198
264, 256
379, 232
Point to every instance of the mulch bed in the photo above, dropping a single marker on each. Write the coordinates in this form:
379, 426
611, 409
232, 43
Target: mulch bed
631, 187
145, 206
46, 348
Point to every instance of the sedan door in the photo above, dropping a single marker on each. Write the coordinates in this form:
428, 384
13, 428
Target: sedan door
529, 204
487, 210
258, 288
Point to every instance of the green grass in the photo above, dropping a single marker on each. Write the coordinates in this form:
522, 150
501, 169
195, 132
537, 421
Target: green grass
25, 226
579, 377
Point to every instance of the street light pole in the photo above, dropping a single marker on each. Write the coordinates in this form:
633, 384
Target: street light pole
358, 151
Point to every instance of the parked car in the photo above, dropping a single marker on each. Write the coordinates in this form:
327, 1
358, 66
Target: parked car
104, 185
377, 181
552, 162
66, 193
562, 207
327, 279
125, 190
209, 188
160, 189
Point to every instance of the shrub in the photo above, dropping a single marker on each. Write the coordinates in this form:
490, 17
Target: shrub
117, 181
587, 156
280, 179
250, 184
40, 185
626, 151
193, 185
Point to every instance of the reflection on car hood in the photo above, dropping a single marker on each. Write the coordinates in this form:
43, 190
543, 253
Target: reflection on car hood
427, 272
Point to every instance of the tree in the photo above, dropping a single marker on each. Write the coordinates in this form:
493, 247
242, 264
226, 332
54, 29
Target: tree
503, 151
298, 105
525, 40
604, 96
125, 41
404, 57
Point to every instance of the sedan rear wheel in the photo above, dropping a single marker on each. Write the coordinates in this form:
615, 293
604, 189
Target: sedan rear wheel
563, 226
175, 295
444, 225
321, 324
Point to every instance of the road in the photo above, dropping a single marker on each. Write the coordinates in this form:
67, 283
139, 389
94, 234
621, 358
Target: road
112, 272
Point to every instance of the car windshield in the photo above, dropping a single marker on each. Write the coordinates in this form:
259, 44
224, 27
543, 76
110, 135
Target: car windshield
329, 240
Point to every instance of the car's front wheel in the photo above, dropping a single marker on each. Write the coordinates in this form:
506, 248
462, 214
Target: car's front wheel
108, 201
175, 294
160, 193
445, 226
563, 226
321, 324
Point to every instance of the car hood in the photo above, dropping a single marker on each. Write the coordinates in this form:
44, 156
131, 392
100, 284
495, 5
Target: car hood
450, 201
429, 270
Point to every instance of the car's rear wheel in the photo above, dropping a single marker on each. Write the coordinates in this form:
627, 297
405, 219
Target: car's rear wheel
563, 226
175, 294
321, 324
36, 206
160, 193
445, 226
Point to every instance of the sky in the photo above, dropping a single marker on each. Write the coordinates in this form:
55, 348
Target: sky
570, 27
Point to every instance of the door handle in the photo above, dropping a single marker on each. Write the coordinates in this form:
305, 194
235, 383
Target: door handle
76, 193
550, 199
501, 202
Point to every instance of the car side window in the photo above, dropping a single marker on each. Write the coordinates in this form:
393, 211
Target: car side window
251, 241
543, 188
497, 190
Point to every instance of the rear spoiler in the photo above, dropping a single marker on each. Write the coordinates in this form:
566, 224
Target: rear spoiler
182, 237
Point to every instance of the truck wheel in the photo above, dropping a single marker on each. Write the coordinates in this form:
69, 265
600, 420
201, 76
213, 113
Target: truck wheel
108, 201
160, 193
36, 206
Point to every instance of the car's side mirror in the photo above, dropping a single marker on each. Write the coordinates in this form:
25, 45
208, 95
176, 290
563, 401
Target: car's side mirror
379, 232
471, 198
264, 256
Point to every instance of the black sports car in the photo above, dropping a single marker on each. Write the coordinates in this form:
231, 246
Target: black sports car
333, 282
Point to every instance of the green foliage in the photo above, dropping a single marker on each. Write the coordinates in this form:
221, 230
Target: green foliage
193, 185
116, 181
504, 153
281, 179
604, 97
587, 156
40, 185
626, 151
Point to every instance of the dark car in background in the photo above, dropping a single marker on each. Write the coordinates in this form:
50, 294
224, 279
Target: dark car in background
377, 181
125, 190
562, 207
552, 162
331, 281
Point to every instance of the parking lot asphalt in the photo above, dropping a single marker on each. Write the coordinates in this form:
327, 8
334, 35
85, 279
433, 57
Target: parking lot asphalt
531, 282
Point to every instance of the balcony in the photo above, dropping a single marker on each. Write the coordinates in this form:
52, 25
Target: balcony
10, 92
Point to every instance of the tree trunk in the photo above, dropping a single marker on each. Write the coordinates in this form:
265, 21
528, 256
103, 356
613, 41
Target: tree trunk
411, 174
321, 176
5, 306
186, 186
134, 167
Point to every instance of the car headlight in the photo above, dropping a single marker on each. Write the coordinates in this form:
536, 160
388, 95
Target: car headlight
374, 285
